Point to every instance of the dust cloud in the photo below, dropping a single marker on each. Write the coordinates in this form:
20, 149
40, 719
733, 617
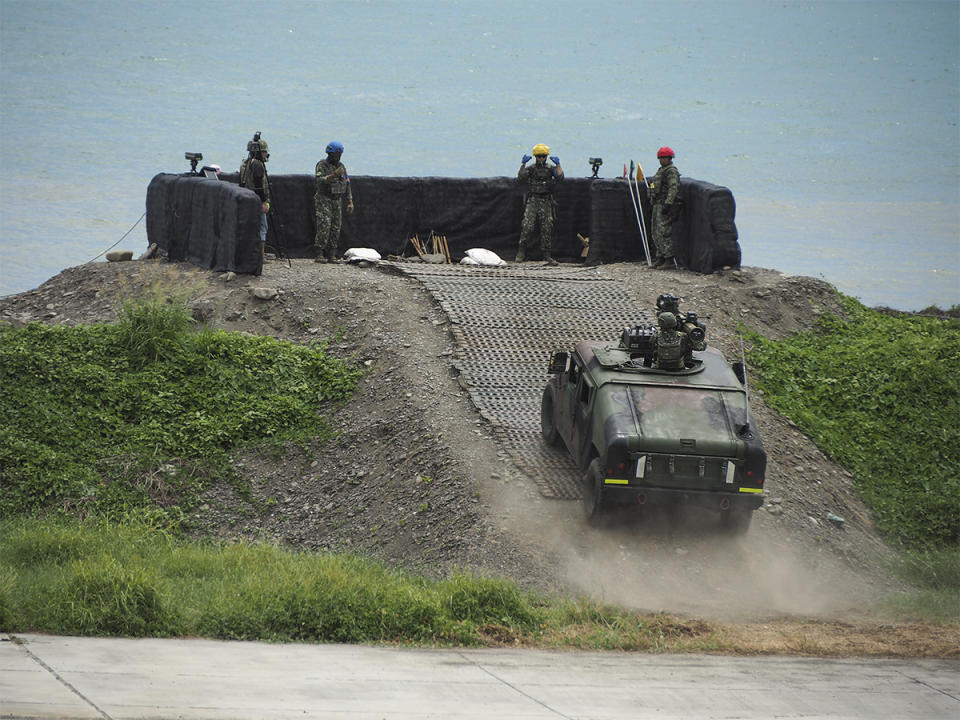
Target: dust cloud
681, 561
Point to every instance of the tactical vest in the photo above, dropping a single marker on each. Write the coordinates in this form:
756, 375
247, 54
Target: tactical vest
662, 180
335, 187
246, 179
670, 350
541, 180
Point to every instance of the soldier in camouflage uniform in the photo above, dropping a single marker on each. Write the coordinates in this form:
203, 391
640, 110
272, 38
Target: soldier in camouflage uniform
664, 189
253, 176
333, 183
674, 348
538, 202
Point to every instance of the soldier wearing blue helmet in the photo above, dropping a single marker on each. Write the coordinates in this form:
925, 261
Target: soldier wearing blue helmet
333, 183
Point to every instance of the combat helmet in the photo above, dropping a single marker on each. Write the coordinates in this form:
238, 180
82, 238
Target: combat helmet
540, 149
667, 321
258, 145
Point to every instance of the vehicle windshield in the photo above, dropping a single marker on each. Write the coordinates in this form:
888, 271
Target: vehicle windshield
671, 412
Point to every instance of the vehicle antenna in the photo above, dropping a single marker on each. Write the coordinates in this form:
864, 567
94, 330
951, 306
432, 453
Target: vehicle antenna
746, 389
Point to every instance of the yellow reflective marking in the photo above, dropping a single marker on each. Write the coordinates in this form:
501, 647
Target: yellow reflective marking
615, 481
753, 490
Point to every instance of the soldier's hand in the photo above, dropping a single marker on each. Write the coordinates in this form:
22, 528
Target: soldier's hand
525, 159
350, 207
555, 159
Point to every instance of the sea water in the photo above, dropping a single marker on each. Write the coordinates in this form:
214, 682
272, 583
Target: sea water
834, 123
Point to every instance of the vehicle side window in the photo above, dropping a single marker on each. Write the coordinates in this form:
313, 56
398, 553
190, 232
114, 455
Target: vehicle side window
575, 371
583, 393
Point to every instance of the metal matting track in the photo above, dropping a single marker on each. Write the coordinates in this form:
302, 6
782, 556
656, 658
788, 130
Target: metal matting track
507, 322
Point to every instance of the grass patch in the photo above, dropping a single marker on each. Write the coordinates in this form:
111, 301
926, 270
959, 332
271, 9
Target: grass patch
135, 418
73, 577
881, 395
935, 573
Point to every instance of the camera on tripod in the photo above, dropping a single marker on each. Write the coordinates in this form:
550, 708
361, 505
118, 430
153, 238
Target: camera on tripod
194, 158
595, 164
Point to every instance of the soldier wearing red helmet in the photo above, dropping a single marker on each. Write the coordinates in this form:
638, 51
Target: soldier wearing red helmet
664, 190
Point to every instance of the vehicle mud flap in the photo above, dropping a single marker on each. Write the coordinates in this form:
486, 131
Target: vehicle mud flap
594, 499
548, 422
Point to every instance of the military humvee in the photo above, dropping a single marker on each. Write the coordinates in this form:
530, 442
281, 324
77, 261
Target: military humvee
648, 428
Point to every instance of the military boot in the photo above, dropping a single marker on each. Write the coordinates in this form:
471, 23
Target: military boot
548, 260
521, 255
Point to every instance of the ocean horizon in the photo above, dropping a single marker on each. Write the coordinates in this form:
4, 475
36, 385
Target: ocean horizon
833, 123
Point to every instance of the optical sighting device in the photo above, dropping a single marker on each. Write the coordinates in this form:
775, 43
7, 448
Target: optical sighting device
194, 158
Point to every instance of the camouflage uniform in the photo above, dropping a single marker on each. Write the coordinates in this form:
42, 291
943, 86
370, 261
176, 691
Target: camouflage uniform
253, 175
663, 197
672, 347
329, 207
538, 205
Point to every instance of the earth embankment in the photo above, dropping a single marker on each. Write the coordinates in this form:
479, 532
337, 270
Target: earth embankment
417, 476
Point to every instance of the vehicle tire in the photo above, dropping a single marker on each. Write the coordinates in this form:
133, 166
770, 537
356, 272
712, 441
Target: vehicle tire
736, 522
593, 495
548, 425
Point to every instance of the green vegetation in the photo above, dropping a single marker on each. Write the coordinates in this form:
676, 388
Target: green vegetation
880, 393
133, 419
109, 433
93, 577
935, 573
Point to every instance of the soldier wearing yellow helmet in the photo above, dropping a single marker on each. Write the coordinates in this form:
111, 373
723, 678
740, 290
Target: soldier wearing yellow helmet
538, 203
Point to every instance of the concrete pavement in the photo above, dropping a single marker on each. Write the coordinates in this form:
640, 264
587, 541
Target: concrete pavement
67, 677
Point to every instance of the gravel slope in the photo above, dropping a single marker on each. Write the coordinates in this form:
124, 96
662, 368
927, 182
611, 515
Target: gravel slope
416, 477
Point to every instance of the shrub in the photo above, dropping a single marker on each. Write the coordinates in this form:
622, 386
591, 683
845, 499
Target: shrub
135, 418
98, 596
881, 395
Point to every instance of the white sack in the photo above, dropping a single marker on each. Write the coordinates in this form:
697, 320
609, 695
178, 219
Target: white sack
479, 256
357, 254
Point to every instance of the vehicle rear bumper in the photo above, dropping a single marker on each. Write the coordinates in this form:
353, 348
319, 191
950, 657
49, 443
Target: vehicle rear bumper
710, 499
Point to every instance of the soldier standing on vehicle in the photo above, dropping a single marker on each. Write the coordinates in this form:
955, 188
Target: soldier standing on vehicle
253, 175
664, 190
671, 347
333, 183
538, 202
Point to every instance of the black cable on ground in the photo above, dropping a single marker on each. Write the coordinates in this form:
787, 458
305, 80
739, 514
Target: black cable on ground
120, 240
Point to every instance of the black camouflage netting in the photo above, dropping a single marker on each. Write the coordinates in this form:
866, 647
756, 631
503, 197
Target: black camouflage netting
215, 224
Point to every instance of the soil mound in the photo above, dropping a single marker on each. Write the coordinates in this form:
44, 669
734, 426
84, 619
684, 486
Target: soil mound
416, 477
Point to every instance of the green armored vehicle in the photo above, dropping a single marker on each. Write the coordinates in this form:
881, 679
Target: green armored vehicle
657, 419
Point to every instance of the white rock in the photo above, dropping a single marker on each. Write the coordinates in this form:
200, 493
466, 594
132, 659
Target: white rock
262, 293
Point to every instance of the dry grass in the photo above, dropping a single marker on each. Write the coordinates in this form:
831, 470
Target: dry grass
839, 639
